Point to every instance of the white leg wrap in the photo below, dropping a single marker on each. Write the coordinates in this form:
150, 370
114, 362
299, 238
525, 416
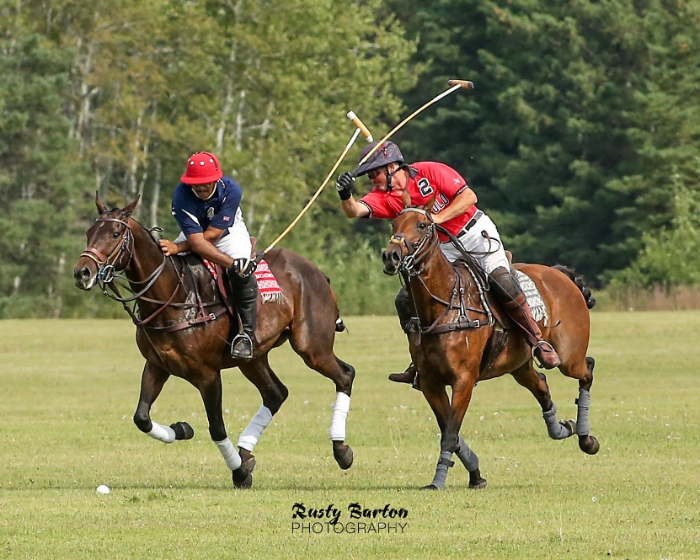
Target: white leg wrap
249, 437
162, 433
229, 453
340, 409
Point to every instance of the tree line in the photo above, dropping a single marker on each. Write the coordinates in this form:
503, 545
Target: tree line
579, 138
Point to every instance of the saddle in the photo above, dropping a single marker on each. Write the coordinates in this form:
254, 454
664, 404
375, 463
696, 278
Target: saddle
501, 321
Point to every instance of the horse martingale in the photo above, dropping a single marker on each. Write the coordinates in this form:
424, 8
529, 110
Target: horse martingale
420, 253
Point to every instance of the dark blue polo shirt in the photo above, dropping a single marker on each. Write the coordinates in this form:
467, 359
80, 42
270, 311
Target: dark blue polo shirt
195, 215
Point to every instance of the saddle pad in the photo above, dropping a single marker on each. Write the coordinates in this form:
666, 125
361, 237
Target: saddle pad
534, 299
268, 286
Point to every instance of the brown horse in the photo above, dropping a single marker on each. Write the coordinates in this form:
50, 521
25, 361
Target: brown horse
445, 319
187, 332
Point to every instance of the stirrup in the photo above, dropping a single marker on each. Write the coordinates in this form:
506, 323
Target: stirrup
242, 347
543, 344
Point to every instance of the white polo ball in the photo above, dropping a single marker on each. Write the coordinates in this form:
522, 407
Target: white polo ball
102, 489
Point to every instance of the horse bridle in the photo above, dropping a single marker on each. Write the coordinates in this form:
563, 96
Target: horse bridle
106, 271
419, 252
105, 265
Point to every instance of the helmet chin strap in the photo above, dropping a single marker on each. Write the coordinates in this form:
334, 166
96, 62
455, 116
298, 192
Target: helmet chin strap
389, 176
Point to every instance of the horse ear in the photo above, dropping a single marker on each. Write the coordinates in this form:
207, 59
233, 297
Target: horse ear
406, 197
129, 208
428, 205
101, 206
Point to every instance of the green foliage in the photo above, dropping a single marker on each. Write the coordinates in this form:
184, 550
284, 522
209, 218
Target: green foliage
113, 96
42, 182
671, 256
580, 111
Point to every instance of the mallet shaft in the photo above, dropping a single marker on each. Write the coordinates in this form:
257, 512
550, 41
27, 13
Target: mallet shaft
456, 84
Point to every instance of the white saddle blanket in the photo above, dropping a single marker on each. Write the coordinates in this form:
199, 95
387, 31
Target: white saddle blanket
534, 299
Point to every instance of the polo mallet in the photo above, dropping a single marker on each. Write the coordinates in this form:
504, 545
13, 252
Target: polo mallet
455, 85
361, 129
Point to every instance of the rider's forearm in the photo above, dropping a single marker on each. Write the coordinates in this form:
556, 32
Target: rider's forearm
354, 209
212, 235
459, 205
208, 251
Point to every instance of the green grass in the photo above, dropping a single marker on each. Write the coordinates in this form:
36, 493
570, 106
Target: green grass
69, 390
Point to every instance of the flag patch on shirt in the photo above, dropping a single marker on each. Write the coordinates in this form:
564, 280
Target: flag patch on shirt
227, 218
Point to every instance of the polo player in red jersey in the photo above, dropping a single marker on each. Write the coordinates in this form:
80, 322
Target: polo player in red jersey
455, 210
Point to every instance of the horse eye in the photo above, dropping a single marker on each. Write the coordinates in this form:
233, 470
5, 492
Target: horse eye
422, 225
115, 235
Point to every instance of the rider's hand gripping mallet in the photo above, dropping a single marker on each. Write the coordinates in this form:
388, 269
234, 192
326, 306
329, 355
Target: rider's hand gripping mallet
361, 129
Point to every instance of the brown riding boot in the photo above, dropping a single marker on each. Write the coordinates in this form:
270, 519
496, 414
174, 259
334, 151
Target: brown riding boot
409, 376
542, 351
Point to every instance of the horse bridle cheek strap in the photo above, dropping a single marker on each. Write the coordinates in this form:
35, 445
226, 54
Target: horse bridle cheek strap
420, 251
126, 244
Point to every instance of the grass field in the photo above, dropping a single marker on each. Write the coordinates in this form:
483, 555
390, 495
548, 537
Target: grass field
69, 390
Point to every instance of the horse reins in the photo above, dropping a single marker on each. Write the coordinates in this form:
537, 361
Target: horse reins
106, 274
421, 252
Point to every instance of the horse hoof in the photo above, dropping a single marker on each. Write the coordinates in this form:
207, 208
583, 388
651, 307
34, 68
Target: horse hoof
242, 478
431, 487
589, 444
343, 455
247, 460
182, 430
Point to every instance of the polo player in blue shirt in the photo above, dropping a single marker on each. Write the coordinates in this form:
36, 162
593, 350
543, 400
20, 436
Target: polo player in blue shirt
206, 205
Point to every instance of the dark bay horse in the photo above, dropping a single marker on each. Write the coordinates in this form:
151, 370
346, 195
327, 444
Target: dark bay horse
177, 340
454, 347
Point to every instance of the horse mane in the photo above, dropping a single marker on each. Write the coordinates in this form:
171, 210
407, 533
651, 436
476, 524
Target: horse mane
578, 280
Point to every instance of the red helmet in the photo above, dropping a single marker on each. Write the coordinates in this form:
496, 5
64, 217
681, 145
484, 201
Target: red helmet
202, 167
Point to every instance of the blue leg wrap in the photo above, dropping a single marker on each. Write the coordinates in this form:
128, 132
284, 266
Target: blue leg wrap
467, 456
444, 463
555, 429
583, 426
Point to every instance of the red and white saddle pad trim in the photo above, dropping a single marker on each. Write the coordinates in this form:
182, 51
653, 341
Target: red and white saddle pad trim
268, 286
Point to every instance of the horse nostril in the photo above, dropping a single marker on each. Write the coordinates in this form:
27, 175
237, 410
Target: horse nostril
85, 272
395, 258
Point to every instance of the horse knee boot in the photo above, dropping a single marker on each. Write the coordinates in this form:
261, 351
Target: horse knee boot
507, 288
245, 295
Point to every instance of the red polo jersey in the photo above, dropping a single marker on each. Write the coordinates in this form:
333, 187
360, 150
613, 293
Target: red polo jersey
426, 178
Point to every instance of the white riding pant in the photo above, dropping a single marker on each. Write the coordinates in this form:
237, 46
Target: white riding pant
236, 244
487, 252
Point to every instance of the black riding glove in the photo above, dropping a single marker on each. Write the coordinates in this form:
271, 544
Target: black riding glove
345, 185
244, 267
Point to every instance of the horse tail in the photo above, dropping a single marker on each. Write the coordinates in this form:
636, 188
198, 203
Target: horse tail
339, 324
578, 280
